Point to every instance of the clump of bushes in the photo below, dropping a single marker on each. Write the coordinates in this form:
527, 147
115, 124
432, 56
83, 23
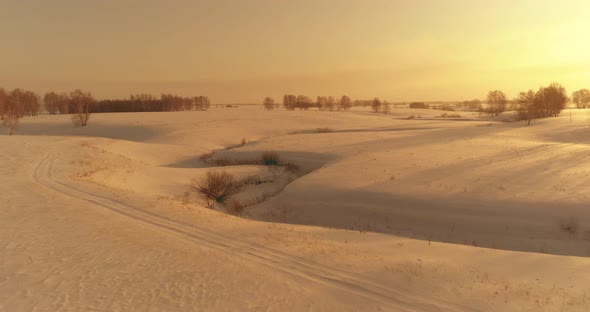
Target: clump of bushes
414, 116
270, 158
218, 187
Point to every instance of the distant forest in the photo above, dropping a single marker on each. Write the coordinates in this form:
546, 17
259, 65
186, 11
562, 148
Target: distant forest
23, 103
545, 102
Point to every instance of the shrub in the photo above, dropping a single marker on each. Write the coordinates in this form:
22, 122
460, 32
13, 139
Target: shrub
81, 103
268, 103
217, 187
270, 158
376, 105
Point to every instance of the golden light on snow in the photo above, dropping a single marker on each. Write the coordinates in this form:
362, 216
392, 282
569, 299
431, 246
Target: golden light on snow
168, 201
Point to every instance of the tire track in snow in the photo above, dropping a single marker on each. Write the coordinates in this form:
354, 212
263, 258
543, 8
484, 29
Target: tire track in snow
294, 265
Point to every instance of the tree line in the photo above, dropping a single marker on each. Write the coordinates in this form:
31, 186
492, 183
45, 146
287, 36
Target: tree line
546, 102
19, 103
61, 104
325, 103
150, 103
581, 98
302, 102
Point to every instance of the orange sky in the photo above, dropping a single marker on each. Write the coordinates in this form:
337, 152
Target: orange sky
243, 50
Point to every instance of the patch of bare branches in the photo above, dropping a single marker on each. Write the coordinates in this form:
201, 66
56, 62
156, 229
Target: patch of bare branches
217, 187
81, 103
270, 158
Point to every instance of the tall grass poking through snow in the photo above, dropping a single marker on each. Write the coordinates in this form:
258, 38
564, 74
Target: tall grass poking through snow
270, 158
217, 187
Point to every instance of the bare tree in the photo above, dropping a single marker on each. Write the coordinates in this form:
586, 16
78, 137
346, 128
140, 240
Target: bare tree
171, 102
188, 103
81, 103
303, 102
202, 103
330, 103
32, 103
206, 102
289, 101
3, 103
581, 98
547, 102
527, 106
16, 102
345, 102
376, 105
321, 102
551, 100
497, 101
10, 121
52, 102
268, 103
325, 103
13, 109
338, 104
64, 103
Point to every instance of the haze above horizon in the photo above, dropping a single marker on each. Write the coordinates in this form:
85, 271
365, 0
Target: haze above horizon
242, 51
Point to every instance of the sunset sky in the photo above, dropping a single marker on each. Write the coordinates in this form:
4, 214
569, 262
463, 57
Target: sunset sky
242, 50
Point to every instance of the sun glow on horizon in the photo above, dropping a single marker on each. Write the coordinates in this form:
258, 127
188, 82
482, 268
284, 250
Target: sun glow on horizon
238, 51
